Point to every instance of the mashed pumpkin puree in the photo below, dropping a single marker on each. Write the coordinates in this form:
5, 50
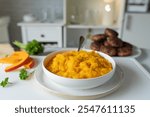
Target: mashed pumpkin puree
79, 65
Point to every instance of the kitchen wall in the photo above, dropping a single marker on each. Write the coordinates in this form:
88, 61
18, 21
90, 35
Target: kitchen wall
17, 8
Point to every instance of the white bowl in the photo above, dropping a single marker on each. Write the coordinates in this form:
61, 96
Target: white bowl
29, 18
78, 83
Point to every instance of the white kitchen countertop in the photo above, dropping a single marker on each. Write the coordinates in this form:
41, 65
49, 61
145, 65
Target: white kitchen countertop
135, 86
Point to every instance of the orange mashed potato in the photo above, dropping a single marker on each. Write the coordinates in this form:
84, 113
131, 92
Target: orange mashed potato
79, 65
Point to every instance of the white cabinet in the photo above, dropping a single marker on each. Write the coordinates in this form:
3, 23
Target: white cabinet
87, 15
90, 13
79, 17
43, 32
136, 29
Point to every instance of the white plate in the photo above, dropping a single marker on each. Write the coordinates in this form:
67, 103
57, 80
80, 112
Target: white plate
66, 92
136, 51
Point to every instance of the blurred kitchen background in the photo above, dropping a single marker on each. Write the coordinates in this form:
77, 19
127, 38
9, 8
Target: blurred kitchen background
59, 23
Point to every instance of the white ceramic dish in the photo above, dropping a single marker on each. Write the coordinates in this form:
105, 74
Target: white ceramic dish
29, 18
78, 83
136, 51
109, 87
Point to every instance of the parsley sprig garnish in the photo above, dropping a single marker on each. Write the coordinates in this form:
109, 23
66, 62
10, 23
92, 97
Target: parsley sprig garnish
23, 75
5, 82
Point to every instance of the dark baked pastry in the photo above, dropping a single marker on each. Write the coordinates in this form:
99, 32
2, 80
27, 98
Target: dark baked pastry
106, 43
116, 42
111, 51
126, 44
125, 50
95, 46
110, 44
99, 37
111, 33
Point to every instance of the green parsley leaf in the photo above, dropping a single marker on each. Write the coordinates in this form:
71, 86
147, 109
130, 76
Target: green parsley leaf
23, 75
5, 82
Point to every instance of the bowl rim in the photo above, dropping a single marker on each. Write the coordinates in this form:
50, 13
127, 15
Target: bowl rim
81, 79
